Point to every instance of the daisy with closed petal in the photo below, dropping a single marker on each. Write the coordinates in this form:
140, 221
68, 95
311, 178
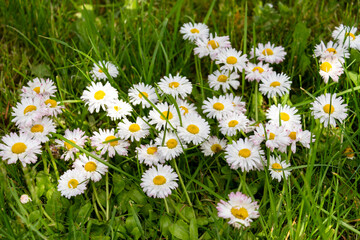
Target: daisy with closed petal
211, 46
217, 107
224, 79
39, 87
232, 60
172, 147
159, 181
138, 92
176, 86
327, 108
133, 130
117, 146
213, 145
98, 96
72, 183
98, 70
331, 50
20, 147
346, 36
240, 209
269, 53
239, 106
233, 123
118, 109
77, 137
168, 114
330, 68
90, 167
256, 71
149, 154
27, 111
25, 199
194, 129
186, 107
276, 167
245, 155
349, 153
283, 115
40, 129
52, 107
194, 31
275, 84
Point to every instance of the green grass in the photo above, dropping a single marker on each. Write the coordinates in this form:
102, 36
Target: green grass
320, 200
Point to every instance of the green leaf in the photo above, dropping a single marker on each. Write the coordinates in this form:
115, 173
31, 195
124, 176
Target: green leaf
119, 183
180, 230
165, 222
193, 229
41, 70
84, 213
354, 77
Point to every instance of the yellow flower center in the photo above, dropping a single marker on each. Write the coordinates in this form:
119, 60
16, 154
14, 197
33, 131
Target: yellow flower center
275, 84
73, 183
113, 143
194, 30
284, 116
99, 95
233, 123
159, 180
331, 50
267, 52
68, 146
260, 69
116, 108
167, 115
53, 103
145, 94
29, 108
151, 150
216, 148
292, 135
18, 148
214, 44
349, 152
231, 60
276, 167
90, 166
245, 153
37, 90
327, 108
185, 109
271, 136
350, 34
174, 84
37, 128
171, 143
240, 213
218, 106
222, 78
193, 129
134, 127
325, 66
100, 71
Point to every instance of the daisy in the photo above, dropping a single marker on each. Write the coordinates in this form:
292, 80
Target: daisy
137, 93
331, 50
176, 86
27, 111
52, 107
158, 181
40, 129
233, 123
19, 147
194, 129
39, 87
133, 130
269, 53
149, 154
283, 115
274, 84
118, 109
98, 70
331, 68
296, 134
168, 115
240, 209
245, 155
224, 79
257, 71
217, 107
98, 96
25, 199
194, 31
77, 137
346, 35
276, 168
231, 59
213, 145
211, 46
239, 106
327, 108
185, 107
118, 146
90, 167
172, 147
72, 183
275, 136
349, 153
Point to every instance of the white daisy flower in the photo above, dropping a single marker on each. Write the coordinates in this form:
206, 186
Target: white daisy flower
217, 107
98, 96
327, 108
245, 155
275, 136
269, 53
27, 111
90, 167
251, 126
213, 145
52, 107
72, 183
330, 68
98, 70
186, 107
232, 59
118, 146
233, 123
172, 145
240, 209
118, 109
194, 129
239, 106
40, 129
276, 167
137, 93
133, 131
149, 154
77, 137
168, 113
194, 31
331, 50
346, 36
224, 79
25, 199
283, 115
39, 87
211, 46
19, 147
257, 71
274, 84
296, 134
176, 86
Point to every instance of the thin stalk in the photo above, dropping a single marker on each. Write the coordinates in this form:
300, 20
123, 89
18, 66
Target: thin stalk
107, 195
97, 198
166, 206
52, 161
182, 183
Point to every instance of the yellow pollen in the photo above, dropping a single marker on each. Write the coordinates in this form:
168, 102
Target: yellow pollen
174, 85
240, 213
99, 95
284, 116
350, 34
37, 128
53, 103
90, 166
37, 90
218, 106
216, 148
349, 152
73, 183
18, 148
327, 108
113, 143
68, 146
292, 135
116, 108
159, 180
194, 30
325, 66
260, 69
29, 108
167, 115
233, 123
331, 50
231, 60
222, 78
267, 52
245, 153
276, 167
185, 109
134, 127
151, 150
214, 44
271, 136
100, 71
275, 84
171, 143
144, 93
193, 129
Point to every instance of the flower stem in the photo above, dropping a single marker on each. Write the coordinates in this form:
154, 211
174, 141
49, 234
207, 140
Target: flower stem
107, 195
182, 183
166, 206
